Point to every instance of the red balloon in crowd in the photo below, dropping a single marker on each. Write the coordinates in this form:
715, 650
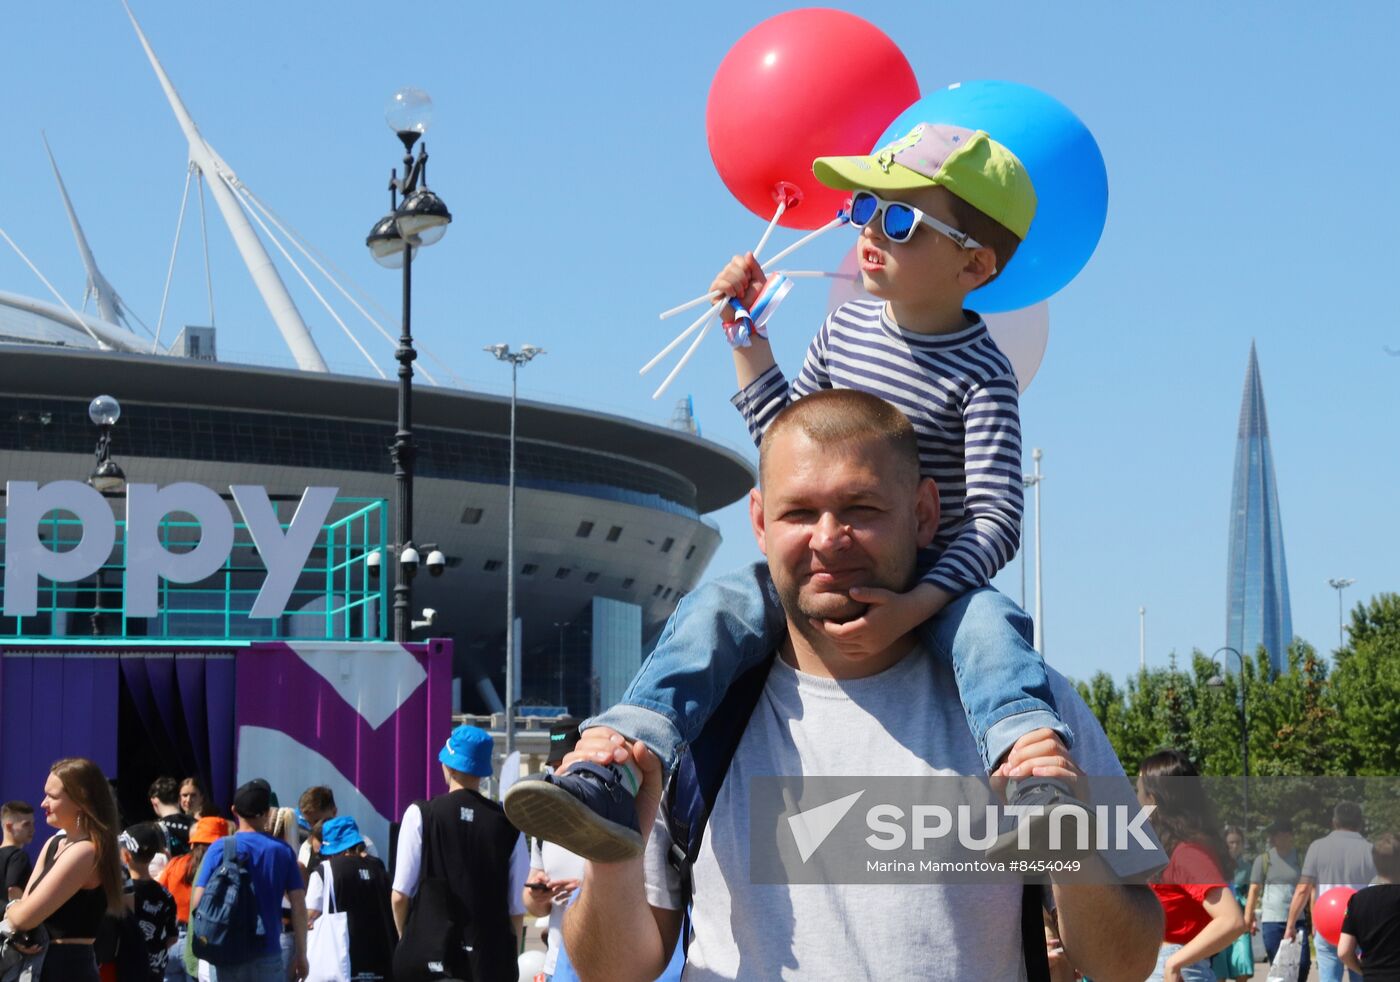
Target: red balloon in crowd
1329, 911
804, 84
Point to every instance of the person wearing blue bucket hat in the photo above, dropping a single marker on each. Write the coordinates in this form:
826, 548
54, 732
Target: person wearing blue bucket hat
339, 835
459, 875
468, 750
350, 881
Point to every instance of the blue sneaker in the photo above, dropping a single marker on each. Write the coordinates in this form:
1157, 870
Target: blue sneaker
587, 810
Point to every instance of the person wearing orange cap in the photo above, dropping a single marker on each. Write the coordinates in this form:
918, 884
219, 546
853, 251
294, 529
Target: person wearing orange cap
178, 878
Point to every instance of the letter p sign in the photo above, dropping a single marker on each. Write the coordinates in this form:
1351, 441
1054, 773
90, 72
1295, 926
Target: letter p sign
147, 560
27, 557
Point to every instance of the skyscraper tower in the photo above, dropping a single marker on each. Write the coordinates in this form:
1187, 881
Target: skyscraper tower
1257, 578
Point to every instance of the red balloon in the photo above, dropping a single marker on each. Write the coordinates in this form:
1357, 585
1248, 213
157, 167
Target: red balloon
804, 84
1328, 912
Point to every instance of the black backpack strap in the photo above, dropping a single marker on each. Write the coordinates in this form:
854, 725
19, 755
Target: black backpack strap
1033, 933
700, 771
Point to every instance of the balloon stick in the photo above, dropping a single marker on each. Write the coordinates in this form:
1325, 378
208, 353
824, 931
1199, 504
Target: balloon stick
691, 305
694, 346
699, 323
836, 222
768, 232
811, 274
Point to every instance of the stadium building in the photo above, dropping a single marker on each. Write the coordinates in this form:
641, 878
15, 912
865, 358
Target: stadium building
225, 611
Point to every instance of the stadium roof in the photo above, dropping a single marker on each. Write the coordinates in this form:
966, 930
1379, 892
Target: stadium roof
721, 475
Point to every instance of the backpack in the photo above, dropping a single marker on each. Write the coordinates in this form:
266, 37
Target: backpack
226, 928
695, 784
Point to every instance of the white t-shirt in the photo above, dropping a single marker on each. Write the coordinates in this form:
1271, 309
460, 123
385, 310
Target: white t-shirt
558, 864
315, 889
409, 859
904, 722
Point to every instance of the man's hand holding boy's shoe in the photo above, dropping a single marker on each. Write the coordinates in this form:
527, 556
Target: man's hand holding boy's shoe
1040, 753
1039, 773
589, 806
600, 745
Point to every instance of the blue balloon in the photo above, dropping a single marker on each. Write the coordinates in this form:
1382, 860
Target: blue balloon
1065, 165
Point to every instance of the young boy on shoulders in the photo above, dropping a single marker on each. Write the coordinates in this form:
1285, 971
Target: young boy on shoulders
941, 212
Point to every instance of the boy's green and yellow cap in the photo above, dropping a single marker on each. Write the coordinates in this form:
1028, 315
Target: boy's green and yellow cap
969, 163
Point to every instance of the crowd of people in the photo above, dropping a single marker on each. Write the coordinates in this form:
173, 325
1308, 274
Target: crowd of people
263, 894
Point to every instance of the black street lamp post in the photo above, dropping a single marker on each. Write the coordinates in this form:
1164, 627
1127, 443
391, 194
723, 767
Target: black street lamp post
1217, 682
106, 478
417, 217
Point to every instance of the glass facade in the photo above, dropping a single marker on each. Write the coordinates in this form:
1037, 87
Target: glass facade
196, 433
617, 647
1257, 578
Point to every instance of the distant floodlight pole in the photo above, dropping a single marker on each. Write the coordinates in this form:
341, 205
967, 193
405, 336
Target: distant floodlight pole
1028, 481
516, 359
562, 625
1033, 481
1142, 639
1339, 584
417, 217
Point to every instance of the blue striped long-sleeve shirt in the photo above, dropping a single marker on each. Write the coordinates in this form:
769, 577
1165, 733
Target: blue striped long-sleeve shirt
960, 393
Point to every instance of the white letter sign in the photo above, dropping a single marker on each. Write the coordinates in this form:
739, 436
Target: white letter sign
27, 557
147, 560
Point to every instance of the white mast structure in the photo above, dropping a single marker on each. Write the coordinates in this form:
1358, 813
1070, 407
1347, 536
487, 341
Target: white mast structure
221, 181
109, 306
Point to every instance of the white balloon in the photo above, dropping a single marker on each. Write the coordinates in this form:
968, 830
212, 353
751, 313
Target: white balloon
1020, 334
531, 964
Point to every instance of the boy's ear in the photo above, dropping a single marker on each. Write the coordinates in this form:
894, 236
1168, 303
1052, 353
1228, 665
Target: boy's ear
981, 266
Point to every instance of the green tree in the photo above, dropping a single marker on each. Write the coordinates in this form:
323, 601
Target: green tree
1366, 689
1295, 725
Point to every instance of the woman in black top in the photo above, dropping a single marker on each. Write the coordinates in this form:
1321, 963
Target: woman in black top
78, 878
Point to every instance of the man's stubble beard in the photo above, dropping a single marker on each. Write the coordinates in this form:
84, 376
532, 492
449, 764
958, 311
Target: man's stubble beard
837, 606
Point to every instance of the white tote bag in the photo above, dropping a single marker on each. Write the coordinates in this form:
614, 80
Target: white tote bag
328, 949
1286, 962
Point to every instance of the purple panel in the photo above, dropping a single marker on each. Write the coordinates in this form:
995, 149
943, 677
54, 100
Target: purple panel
439, 720
56, 704
279, 691
90, 699
219, 706
20, 775
55, 693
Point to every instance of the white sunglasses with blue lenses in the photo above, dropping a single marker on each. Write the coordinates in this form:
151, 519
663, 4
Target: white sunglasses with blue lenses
900, 220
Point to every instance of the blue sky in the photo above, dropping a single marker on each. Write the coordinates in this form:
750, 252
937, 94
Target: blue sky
1250, 151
